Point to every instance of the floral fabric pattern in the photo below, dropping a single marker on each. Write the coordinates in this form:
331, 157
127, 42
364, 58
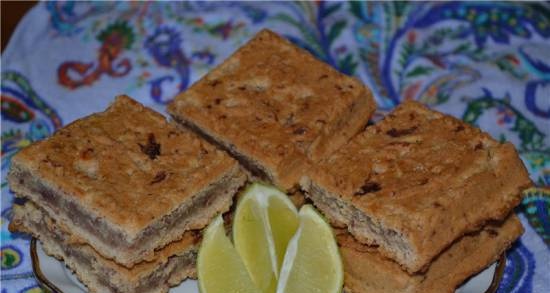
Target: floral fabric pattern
487, 63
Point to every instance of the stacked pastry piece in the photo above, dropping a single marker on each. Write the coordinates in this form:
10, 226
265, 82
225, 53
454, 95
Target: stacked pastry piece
117, 196
424, 200
432, 193
419, 201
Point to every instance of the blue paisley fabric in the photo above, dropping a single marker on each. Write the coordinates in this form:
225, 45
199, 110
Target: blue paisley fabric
487, 63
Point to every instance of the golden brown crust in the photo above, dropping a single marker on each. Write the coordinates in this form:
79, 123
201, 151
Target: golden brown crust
366, 271
275, 104
128, 169
421, 177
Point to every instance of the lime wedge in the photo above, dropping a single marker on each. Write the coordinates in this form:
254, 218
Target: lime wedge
312, 262
264, 223
219, 266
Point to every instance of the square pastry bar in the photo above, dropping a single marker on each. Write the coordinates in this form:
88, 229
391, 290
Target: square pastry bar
167, 267
415, 182
274, 106
126, 181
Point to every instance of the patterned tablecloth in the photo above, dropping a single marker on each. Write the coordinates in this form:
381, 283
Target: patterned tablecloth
487, 63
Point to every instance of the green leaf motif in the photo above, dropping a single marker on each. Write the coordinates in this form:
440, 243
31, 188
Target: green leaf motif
419, 70
307, 35
536, 206
9, 260
331, 9
442, 97
538, 159
355, 8
347, 64
406, 52
400, 7
531, 137
122, 30
336, 30
465, 47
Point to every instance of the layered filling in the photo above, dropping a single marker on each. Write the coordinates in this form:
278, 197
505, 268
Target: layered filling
217, 197
98, 272
368, 271
358, 223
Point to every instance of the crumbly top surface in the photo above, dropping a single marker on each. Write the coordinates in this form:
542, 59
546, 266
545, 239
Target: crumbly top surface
126, 164
415, 163
270, 99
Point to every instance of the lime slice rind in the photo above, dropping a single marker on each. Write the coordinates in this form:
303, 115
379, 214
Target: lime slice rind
250, 231
219, 267
261, 195
312, 261
290, 255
